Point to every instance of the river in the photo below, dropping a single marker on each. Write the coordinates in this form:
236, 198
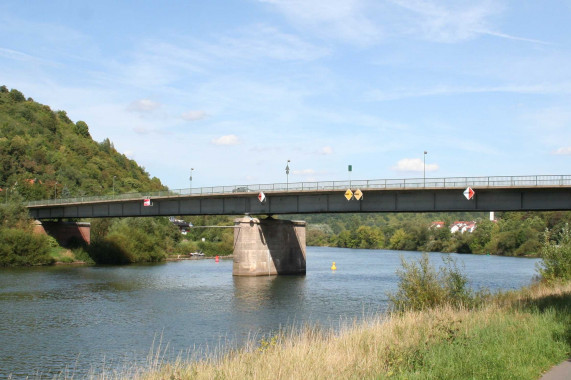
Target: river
85, 319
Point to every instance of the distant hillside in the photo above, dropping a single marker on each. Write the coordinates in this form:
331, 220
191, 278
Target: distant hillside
44, 154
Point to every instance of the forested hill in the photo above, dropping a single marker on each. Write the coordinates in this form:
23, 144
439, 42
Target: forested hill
44, 153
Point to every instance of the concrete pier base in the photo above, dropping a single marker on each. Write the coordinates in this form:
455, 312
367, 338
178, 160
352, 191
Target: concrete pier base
265, 247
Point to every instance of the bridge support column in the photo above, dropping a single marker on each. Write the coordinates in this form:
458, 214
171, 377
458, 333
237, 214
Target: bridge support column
268, 247
66, 233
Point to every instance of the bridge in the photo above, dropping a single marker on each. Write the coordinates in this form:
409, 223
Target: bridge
271, 246
523, 193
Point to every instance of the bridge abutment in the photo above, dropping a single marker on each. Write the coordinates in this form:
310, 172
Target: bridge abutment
265, 247
66, 233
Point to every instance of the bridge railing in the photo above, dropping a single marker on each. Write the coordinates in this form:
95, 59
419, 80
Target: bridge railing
378, 184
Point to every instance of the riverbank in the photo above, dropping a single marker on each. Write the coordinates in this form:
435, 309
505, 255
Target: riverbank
525, 256
518, 335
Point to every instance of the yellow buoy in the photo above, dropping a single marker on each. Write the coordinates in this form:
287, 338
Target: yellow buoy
333, 267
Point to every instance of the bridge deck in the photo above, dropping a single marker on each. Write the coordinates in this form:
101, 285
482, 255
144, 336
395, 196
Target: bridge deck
405, 195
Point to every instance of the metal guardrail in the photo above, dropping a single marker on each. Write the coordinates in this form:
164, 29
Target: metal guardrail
376, 184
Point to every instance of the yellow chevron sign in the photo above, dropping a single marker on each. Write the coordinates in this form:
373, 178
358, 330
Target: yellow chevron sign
348, 194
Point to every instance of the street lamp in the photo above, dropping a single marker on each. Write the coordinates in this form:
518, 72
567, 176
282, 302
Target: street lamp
114, 186
190, 179
55, 190
424, 168
287, 175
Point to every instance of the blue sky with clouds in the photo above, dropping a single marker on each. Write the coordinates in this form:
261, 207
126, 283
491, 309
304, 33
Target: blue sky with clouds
234, 88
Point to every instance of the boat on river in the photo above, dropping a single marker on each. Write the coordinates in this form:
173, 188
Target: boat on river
197, 254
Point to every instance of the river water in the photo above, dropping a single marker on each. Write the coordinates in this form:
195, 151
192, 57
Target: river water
81, 320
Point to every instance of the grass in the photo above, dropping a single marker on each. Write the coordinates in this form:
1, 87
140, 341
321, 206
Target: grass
62, 255
517, 335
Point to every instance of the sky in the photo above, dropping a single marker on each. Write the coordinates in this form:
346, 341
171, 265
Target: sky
235, 89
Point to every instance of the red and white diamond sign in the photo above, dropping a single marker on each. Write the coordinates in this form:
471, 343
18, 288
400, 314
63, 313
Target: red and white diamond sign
469, 193
261, 197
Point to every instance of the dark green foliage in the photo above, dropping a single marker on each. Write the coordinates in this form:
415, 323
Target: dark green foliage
21, 248
133, 240
82, 129
18, 245
556, 255
217, 241
14, 215
17, 96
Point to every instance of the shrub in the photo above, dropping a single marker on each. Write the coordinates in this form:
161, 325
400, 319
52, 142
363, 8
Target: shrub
556, 255
19, 248
421, 286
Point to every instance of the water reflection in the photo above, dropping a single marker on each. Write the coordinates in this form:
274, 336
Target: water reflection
259, 302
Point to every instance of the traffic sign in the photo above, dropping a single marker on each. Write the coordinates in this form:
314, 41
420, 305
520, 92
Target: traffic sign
348, 194
147, 202
261, 197
358, 194
469, 193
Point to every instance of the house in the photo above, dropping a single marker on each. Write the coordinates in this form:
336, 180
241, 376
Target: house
183, 226
437, 224
462, 226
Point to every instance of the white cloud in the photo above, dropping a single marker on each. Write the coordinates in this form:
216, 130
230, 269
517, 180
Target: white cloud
194, 115
143, 105
368, 22
226, 140
436, 21
563, 151
413, 165
346, 20
326, 150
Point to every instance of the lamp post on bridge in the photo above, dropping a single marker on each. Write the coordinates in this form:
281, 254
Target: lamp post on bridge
287, 175
424, 168
190, 179
114, 186
55, 190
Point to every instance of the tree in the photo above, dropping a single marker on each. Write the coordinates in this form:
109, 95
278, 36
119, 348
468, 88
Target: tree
556, 255
17, 96
82, 129
399, 239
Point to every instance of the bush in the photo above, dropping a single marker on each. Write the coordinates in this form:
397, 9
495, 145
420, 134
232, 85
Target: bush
421, 286
556, 255
22, 248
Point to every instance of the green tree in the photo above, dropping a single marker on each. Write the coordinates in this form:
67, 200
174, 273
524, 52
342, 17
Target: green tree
556, 256
82, 129
400, 240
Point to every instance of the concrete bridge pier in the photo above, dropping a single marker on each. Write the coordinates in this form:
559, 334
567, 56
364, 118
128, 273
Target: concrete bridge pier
265, 247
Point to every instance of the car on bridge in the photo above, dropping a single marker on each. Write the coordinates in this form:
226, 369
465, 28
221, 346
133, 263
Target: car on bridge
241, 189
